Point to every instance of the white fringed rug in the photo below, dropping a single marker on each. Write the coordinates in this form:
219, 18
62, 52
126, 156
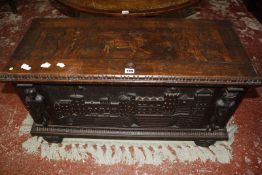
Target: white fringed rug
109, 152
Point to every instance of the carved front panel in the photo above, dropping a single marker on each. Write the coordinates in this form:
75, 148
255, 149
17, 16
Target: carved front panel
131, 106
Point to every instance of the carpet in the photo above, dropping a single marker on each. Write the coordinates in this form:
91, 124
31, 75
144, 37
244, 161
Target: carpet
131, 152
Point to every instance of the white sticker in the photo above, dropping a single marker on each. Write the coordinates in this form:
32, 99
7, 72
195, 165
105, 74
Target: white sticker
45, 65
125, 12
129, 71
61, 65
25, 67
11, 68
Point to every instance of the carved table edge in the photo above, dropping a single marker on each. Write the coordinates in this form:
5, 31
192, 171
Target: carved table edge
87, 78
128, 133
148, 12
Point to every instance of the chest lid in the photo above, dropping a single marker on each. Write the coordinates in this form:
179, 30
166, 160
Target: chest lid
130, 50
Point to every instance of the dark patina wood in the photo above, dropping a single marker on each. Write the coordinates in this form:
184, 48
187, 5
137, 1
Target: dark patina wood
131, 78
161, 50
129, 7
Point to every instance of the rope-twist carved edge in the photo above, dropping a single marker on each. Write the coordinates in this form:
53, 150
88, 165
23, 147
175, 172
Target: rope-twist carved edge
131, 78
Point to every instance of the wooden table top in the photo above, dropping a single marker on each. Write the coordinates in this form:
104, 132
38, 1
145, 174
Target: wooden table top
129, 7
158, 50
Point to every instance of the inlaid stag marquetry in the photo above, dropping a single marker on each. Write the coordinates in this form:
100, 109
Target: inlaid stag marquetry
131, 78
133, 42
181, 44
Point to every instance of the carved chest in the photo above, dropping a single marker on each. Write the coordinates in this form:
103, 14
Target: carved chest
131, 78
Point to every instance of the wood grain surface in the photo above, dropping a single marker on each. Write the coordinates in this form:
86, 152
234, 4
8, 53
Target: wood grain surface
159, 50
129, 7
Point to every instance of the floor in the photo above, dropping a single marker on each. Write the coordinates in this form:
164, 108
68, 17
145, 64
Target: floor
245, 151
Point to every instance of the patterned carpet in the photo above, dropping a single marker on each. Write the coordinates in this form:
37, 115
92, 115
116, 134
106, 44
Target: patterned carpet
131, 152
